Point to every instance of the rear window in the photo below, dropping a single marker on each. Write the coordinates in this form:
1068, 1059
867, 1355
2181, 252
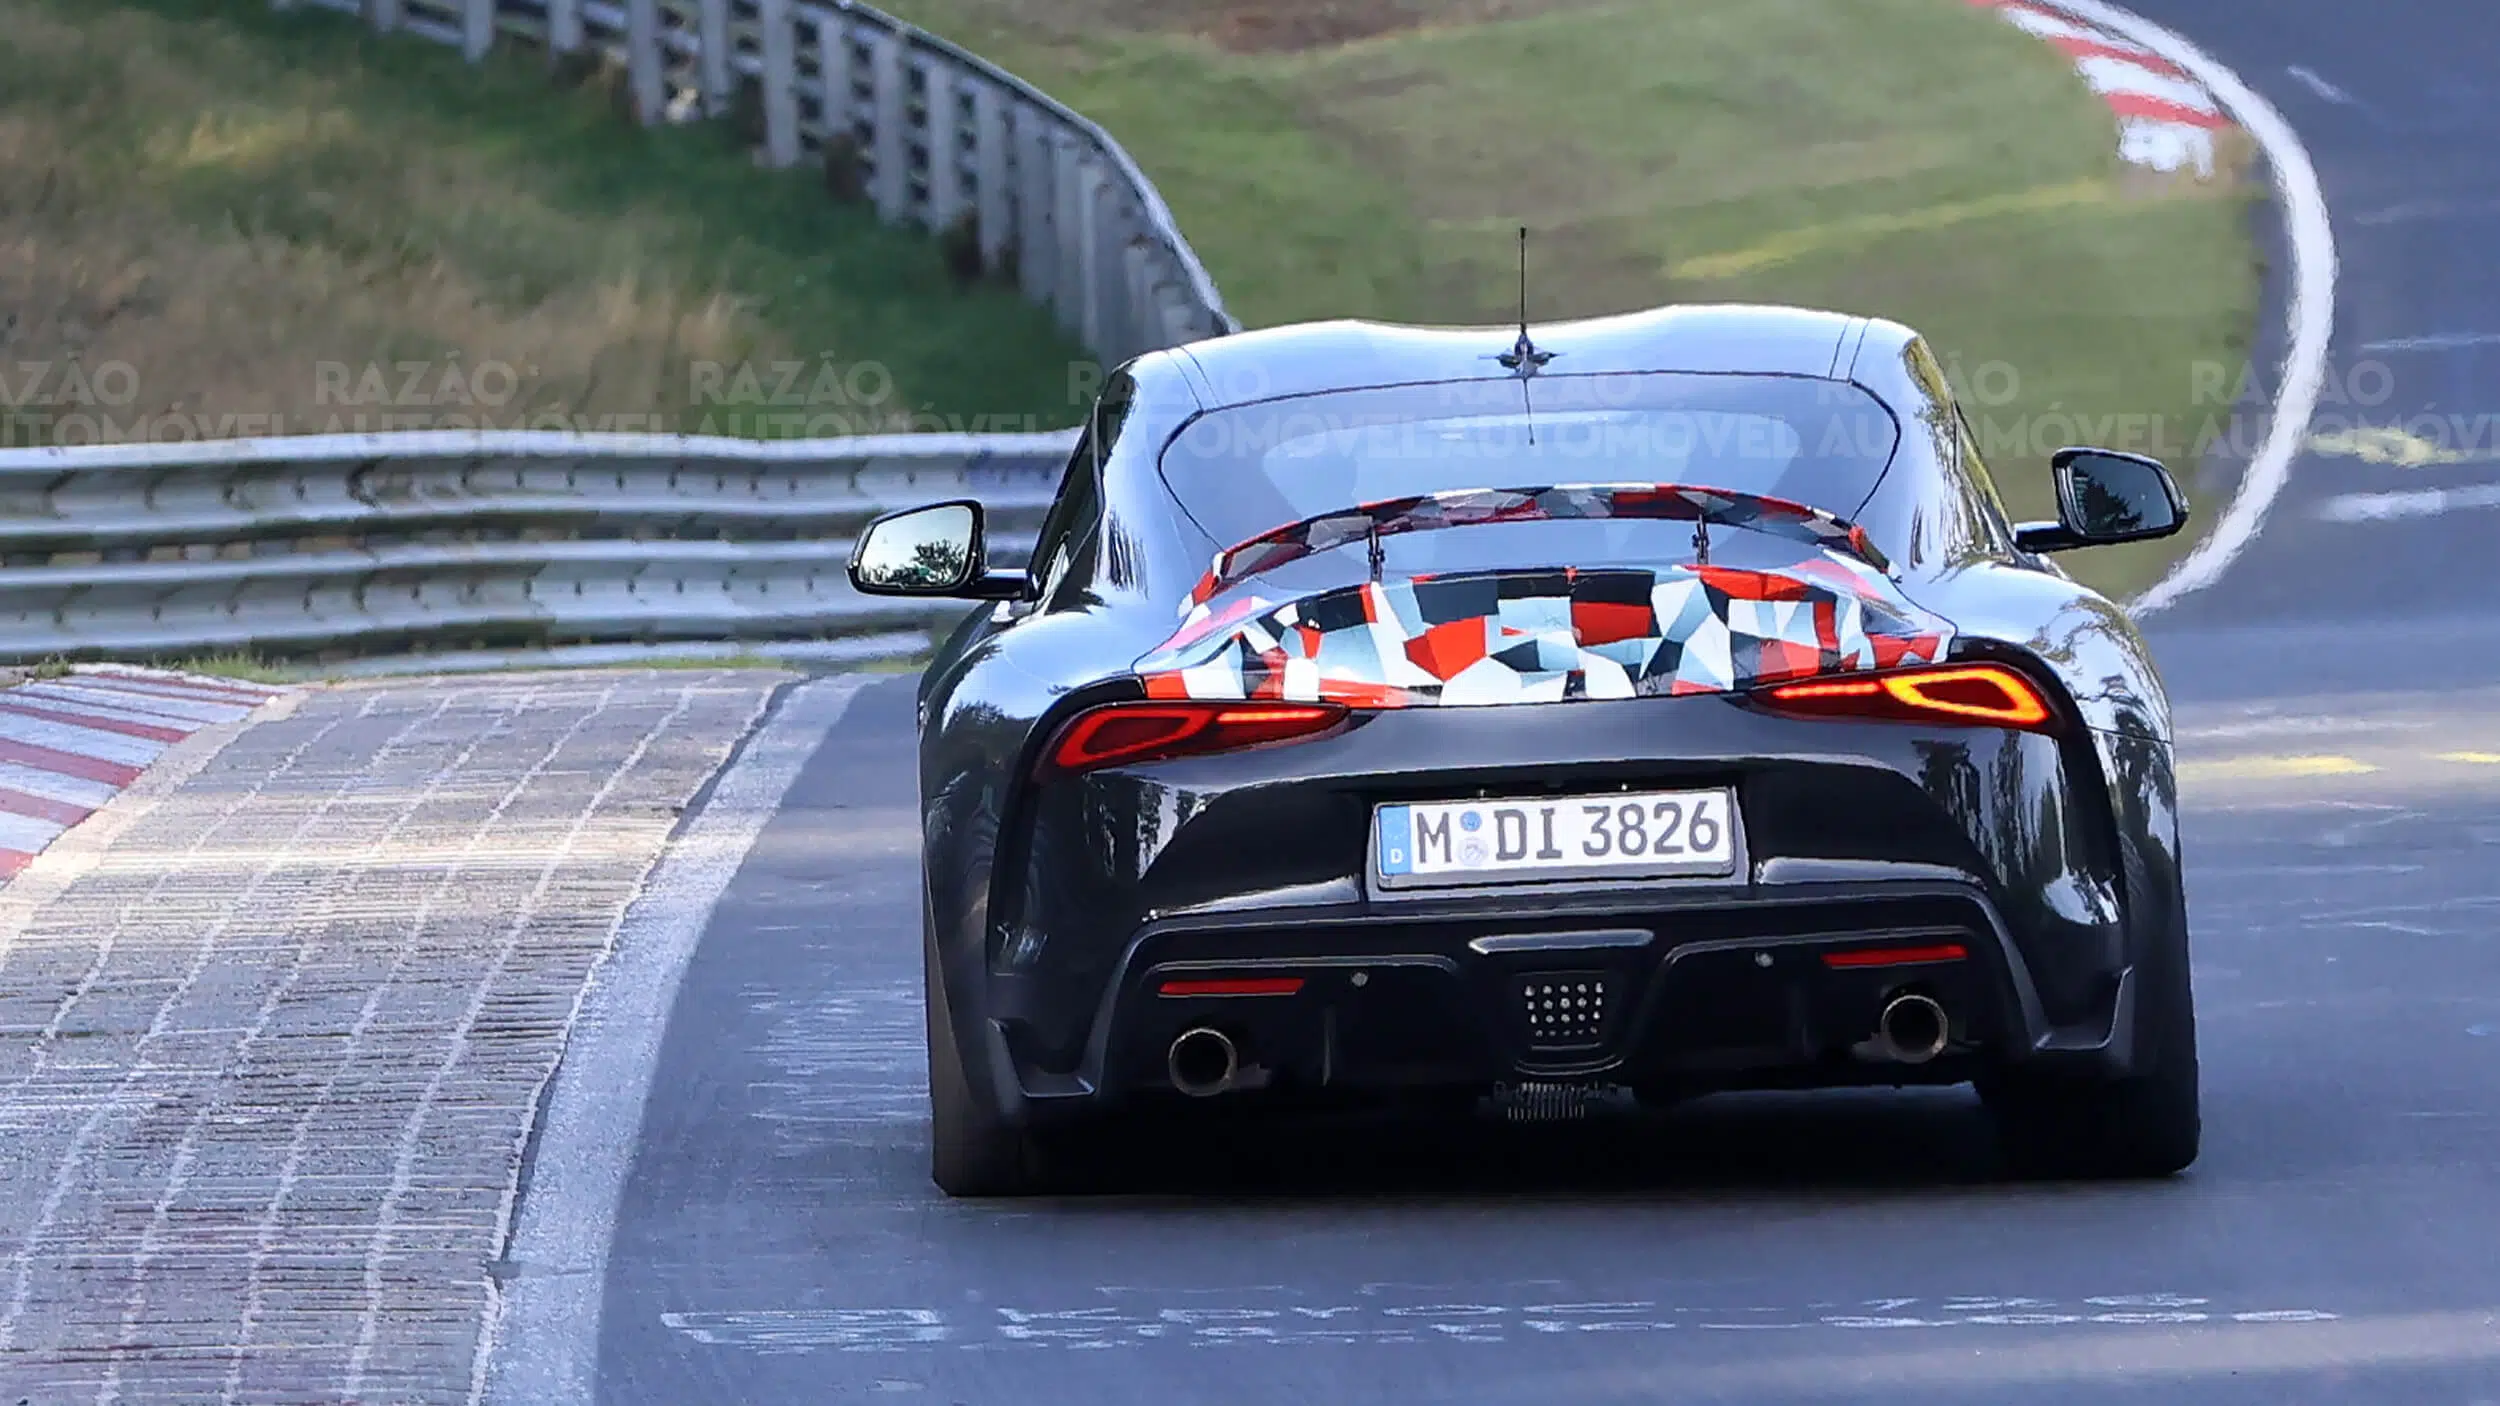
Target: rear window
1245, 471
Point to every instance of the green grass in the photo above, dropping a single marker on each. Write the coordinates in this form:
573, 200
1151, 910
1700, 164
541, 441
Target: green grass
1915, 159
224, 198
249, 668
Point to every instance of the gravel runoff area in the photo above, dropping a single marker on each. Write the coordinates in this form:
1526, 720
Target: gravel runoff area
274, 1026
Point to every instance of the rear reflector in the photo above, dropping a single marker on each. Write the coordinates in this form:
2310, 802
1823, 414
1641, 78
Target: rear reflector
1895, 956
1143, 732
1975, 695
1235, 986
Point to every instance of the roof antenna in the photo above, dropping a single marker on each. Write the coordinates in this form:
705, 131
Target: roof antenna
1701, 536
1524, 360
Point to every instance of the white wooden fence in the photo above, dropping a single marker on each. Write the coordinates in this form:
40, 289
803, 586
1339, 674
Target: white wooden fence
938, 137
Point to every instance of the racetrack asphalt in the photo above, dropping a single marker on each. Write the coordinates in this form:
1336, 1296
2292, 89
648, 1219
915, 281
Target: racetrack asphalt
779, 1240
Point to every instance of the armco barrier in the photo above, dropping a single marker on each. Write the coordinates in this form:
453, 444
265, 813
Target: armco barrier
933, 135
325, 547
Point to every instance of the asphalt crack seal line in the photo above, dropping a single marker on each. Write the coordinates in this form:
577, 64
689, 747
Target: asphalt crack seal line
2310, 314
544, 1341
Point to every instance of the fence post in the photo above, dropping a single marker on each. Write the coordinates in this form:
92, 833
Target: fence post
779, 40
1037, 201
1092, 277
712, 53
1112, 316
890, 97
992, 169
833, 70
564, 26
1067, 232
945, 128
1143, 287
642, 59
477, 28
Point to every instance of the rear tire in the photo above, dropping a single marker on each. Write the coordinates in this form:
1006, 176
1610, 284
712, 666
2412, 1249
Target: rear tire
2144, 1126
972, 1151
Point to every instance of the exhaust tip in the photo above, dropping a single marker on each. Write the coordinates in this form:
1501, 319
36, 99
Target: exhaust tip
1203, 1062
1913, 1028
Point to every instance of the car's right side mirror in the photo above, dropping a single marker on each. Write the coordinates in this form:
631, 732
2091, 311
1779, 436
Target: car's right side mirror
2105, 497
932, 551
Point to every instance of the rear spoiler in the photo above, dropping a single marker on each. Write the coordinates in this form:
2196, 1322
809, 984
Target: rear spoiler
1470, 507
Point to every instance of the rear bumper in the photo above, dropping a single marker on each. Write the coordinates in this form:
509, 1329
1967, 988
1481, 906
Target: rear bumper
1758, 985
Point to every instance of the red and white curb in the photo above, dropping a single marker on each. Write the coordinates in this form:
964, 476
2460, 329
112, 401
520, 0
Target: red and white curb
70, 744
2166, 119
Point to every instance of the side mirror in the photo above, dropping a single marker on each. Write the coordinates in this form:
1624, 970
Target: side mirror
2106, 497
931, 551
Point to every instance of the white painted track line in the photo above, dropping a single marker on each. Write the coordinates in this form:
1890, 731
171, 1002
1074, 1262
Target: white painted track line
54, 786
27, 835
83, 741
119, 702
2419, 502
543, 1347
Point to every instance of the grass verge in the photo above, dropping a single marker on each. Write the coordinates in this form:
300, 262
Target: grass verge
1915, 159
246, 211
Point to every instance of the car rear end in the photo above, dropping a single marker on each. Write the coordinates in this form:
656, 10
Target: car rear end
1663, 893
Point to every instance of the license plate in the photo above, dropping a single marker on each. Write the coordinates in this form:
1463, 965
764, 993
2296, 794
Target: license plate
1641, 834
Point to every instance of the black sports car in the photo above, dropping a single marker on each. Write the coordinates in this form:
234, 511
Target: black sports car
1659, 705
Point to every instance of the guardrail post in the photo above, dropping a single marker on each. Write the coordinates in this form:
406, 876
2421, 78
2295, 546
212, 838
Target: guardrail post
642, 59
383, 15
1067, 228
712, 53
1112, 317
945, 128
477, 28
1177, 318
564, 26
890, 97
1037, 248
1143, 287
1093, 278
779, 41
992, 170
833, 72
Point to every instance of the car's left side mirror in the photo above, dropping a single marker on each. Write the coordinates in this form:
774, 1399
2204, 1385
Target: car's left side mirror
933, 551
2105, 497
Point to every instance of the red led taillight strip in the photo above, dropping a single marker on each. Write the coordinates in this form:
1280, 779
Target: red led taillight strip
1235, 986
1896, 956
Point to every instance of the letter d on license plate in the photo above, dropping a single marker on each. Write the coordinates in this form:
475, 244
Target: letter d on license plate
1624, 835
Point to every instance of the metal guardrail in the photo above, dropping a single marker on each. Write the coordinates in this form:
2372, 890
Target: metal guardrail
934, 135
319, 548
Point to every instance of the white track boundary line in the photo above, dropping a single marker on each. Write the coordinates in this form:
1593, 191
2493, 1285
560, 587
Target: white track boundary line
542, 1347
2312, 304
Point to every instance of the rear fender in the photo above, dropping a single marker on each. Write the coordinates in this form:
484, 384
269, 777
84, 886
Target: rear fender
2069, 635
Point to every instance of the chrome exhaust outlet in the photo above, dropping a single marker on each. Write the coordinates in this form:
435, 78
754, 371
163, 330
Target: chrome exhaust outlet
1203, 1062
1913, 1029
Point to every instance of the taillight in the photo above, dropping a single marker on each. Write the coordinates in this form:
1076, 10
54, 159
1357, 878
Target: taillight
1145, 732
1973, 695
